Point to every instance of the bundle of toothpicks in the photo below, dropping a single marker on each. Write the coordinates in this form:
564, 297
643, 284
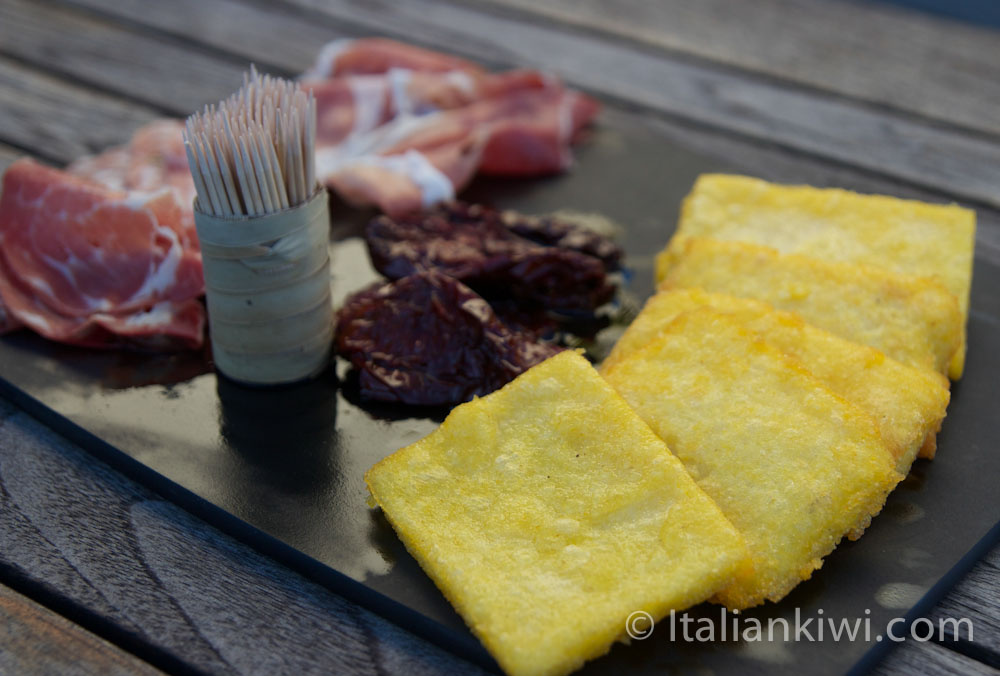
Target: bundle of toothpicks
263, 226
252, 154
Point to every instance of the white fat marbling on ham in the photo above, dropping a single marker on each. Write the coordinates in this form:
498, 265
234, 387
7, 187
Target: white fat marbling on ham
78, 261
461, 80
433, 184
399, 129
369, 103
68, 269
109, 168
34, 320
136, 199
65, 268
158, 315
326, 61
162, 275
362, 150
372, 142
39, 284
399, 83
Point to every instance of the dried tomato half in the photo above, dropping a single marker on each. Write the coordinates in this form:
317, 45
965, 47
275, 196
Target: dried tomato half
429, 339
551, 231
472, 244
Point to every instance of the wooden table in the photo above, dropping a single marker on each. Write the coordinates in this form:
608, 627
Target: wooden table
100, 575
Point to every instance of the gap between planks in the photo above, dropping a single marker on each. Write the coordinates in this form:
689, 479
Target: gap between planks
929, 659
33, 639
193, 593
170, 77
791, 41
61, 121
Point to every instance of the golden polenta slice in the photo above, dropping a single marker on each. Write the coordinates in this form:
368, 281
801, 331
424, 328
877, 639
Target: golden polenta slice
547, 512
910, 319
907, 404
903, 236
792, 465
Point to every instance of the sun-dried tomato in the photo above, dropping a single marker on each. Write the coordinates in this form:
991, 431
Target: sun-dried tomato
551, 231
429, 339
472, 244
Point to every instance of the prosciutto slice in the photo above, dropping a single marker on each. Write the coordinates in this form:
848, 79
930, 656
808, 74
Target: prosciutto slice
87, 264
402, 128
153, 159
398, 127
379, 55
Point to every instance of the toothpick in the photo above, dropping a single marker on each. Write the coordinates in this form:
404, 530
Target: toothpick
253, 153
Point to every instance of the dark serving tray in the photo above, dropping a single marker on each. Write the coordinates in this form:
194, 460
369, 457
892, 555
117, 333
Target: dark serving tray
282, 468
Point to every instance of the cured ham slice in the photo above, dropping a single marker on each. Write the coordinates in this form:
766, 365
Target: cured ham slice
352, 106
529, 133
403, 128
398, 127
153, 159
379, 55
87, 264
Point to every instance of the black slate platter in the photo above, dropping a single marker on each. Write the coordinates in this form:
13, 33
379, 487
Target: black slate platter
282, 468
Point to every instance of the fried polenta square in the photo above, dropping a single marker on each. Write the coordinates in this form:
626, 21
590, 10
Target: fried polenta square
792, 465
547, 512
911, 319
909, 237
907, 404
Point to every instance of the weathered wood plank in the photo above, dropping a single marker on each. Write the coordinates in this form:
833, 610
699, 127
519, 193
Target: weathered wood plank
95, 564
34, 640
930, 659
181, 585
59, 121
909, 61
159, 72
270, 34
978, 600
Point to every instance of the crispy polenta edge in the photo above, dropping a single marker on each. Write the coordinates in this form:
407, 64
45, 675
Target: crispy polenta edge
960, 218
739, 596
691, 298
940, 349
724, 572
933, 386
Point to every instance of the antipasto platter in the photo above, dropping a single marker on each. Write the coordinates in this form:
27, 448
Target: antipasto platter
788, 425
